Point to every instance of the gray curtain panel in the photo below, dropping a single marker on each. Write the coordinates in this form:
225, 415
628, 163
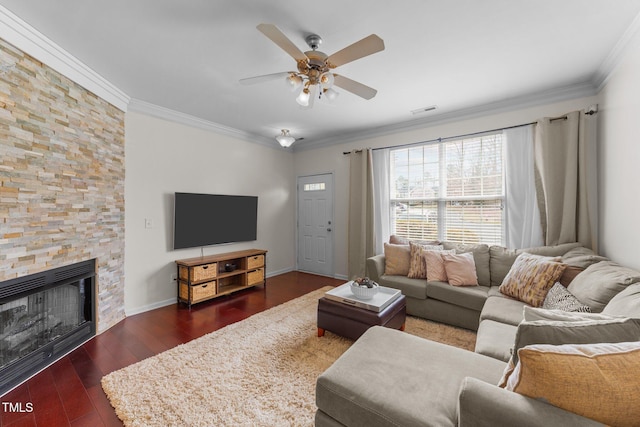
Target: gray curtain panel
566, 178
361, 217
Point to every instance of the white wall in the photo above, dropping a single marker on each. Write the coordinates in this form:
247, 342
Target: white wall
331, 159
619, 158
163, 157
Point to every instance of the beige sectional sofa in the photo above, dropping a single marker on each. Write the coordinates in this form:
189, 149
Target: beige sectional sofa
462, 306
392, 378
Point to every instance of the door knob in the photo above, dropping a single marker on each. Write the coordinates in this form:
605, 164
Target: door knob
328, 229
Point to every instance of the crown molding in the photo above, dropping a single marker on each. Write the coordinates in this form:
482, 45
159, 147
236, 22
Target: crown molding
619, 51
579, 90
29, 40
139, 106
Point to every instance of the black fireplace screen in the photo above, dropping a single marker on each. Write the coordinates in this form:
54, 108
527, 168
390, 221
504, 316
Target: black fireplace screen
42, 317
35, 320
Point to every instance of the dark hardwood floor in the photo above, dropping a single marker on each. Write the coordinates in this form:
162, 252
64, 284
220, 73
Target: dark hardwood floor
68, 393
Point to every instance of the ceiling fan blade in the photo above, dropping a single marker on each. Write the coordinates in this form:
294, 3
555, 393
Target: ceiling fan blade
281, 40
264, 78
366, 46
354, 87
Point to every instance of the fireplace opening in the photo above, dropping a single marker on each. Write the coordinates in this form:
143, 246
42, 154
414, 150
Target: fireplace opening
43, 316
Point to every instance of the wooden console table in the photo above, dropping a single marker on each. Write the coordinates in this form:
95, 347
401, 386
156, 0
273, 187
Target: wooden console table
203, 278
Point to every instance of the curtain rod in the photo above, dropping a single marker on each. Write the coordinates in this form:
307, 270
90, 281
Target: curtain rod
466, 135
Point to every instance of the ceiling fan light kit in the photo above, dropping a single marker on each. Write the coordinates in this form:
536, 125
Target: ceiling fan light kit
314, 76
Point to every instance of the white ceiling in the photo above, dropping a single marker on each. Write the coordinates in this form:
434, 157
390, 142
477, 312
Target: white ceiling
188, 56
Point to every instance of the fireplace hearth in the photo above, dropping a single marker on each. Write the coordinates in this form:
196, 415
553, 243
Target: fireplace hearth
43, 316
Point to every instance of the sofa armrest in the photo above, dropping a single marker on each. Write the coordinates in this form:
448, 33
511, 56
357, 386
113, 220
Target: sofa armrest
482, 404
375, 267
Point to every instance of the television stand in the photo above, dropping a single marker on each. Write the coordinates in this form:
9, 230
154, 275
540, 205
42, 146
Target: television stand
206, 277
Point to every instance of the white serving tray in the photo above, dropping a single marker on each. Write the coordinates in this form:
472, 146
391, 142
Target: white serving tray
379, 302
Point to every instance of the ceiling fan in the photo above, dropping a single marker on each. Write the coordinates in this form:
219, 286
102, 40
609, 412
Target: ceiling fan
315, 77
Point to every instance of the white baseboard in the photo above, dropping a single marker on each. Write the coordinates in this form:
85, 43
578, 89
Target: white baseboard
150, 307
174, 300
278, 272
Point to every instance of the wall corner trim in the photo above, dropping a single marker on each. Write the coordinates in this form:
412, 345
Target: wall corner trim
26, 38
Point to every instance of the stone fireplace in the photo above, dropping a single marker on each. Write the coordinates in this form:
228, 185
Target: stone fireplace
42, 317
62, 173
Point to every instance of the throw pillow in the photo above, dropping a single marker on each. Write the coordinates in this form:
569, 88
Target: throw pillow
460, 269
559, 298
593, 380
600, 282
593, 329
399, 240
481, 256
397, 259
531, 277
417, 266
569, 274
435, 265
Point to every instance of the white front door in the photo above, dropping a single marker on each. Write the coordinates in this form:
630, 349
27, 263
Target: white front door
315, 218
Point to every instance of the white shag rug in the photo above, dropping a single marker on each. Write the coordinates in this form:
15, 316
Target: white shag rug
258, 372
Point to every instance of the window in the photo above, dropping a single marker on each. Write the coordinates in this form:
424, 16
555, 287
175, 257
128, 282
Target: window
449, 190
319, 186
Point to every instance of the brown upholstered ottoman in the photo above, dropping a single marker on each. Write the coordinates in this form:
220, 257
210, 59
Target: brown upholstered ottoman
351, 322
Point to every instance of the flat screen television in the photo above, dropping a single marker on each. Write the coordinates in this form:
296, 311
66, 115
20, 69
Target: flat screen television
211, 219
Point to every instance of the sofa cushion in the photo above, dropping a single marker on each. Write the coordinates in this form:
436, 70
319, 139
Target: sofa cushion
600, 282
397, 259
480, 256
484, 405
472, 297
501, 260
592, 380
575, 332
531, 277
495, 339
582, 257
461, 269
389, 377
495, 291
626, 303
502, 309
532, 314
414, 288
559, 298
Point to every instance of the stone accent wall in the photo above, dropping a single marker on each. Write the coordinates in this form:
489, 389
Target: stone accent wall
61, 178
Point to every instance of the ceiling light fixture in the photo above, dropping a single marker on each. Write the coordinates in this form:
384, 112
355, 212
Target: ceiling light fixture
284, 139
313, 77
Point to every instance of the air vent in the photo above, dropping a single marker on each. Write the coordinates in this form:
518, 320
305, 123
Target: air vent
21, 285
75, 270
424, 109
